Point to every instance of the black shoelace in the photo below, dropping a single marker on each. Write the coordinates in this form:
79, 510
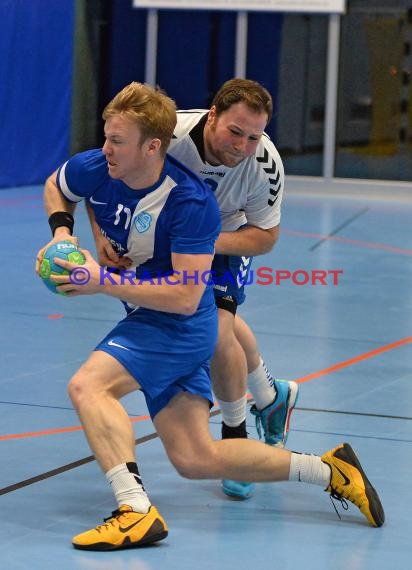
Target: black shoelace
334, 496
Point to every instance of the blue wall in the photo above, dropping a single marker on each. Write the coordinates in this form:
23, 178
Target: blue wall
196, 51
128, 31
36, 46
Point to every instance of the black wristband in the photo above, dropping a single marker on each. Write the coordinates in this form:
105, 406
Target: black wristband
59, 219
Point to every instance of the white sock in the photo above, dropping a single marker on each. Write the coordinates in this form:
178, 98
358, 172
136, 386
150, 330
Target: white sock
309, 469
127, 487
233, 413
261, 386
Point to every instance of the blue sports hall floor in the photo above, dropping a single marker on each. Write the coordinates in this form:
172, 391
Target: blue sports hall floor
348, 344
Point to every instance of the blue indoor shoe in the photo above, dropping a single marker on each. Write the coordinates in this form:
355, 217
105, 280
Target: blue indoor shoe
274, 420
237, 489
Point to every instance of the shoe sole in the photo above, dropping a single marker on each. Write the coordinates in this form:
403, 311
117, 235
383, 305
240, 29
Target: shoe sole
377, 514
291, 403
375, 505
127, 543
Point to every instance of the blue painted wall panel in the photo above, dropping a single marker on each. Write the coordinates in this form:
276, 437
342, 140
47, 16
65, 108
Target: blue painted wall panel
36, 46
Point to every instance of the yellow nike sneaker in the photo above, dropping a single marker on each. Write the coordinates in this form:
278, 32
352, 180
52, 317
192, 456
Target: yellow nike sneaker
124, 529
348, 481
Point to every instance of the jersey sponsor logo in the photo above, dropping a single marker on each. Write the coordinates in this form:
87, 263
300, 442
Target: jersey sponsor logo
117, 245
211, 173
142, 222
93, 201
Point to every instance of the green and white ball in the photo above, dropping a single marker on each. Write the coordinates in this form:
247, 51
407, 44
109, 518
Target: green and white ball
64, 250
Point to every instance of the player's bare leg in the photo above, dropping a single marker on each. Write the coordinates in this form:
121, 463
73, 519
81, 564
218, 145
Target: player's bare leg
183, 426
95, 391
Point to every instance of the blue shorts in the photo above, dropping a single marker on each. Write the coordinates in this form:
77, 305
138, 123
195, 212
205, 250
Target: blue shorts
166, 353
230, 274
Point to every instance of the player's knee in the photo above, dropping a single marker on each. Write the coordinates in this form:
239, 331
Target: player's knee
72, 391
186, 470
76, 390
190, 470
191, 465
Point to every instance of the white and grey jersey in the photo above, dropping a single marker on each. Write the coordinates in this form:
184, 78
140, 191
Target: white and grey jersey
250, 193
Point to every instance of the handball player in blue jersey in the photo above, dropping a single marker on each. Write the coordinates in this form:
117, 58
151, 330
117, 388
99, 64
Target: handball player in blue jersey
228, 148
167, 220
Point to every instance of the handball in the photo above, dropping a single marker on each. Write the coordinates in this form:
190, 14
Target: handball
64, 250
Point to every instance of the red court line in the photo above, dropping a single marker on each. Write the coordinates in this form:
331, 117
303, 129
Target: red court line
354, 360
301, 380
360, 243
59, 430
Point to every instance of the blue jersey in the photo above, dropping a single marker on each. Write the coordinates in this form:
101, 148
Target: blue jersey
178, 214
165, 352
